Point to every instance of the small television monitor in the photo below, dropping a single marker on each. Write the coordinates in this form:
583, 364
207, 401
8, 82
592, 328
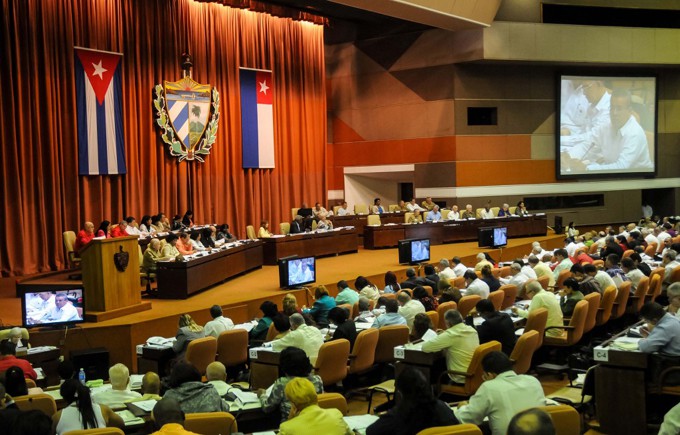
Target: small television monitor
492, 237
56, 307
296, 271
414, 251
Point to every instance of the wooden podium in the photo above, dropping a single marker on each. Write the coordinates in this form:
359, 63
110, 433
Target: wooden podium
112, 287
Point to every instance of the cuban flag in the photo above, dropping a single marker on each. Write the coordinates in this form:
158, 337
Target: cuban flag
101, 149
257, 119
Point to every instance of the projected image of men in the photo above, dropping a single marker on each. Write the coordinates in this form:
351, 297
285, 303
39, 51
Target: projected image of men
586, 109
621, 144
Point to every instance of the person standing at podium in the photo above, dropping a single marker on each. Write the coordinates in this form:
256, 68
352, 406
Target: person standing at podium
84, 236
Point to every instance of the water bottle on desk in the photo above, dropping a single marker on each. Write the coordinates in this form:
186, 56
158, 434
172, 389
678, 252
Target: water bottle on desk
81, 376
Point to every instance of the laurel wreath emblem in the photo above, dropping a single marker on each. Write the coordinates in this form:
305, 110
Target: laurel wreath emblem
175, 147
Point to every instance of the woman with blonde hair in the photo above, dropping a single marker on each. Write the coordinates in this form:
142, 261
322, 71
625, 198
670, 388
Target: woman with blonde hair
290, 306
188, 330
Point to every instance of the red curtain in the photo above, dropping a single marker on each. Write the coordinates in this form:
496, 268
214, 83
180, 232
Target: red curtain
43, 195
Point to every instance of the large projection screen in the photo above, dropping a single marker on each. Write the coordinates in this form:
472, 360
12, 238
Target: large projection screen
607, 126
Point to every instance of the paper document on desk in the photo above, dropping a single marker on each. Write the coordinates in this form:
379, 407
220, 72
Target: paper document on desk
360, 422
244, 397
625, 343
129, 418
363, 325
40, 373
146, 405
39, 349
248, 326
136, 382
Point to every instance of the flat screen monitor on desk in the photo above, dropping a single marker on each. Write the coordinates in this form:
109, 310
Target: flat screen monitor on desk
296, 271
492, 237
53, 308
414, 251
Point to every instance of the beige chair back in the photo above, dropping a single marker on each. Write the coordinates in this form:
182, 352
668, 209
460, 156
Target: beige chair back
388, 338
250, 232
363, 355
509, 295
285, 228
441, 310
201, 352
41, 402
360, 209
566, 419
373, 219
331, 364
333, 401
523, 352
211, 423
232, 347
593, 300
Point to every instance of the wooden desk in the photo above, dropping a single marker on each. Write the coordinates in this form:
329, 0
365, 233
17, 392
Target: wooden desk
155, 360
48, 361
264, 367
180, 279
319, 244
430, 364
620, 389
360, 221
385, 236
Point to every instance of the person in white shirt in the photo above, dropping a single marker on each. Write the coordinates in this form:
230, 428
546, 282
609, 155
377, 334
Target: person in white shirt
632, 272
319, 211
540, 268
344, 210
454, 214
475, 286
216, 374
669, 262
649, 236
445, 271
64, 311
408, 308
413, 206
131, 227
661, 236
307, 338
119, 393
516, 278
218, 324
486, 212
537, 250
39, 306
459, 268
459, 340
503, 394
527, 269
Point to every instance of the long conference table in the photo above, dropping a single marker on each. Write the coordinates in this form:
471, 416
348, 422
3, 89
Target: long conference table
317, 244
180, 279
388, 235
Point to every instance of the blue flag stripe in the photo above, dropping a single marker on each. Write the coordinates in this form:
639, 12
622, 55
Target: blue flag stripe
118, 102
83, 167
101, 139
249, 119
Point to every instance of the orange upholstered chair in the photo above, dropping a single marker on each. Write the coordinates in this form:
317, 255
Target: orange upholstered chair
331, 364
363, 355
621, 301
651, 249
627, 253
496, 298
654, 285
523, 352
675, 275
211, 423
566, 419
232, 347
473, 375
593, 300
536, 321
505, 271
544, 281
201, 352
575, 329
509, 295
467, 303
333, 401
441, 310
388, 338
459, 429
272, 332
434, 318
606, 306
561, 278
42, 402
637, 300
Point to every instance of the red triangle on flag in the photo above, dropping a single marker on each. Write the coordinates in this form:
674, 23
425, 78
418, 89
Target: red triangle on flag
99, 68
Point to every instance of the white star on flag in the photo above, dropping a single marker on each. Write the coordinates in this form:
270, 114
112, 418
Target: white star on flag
99, 70
264, 87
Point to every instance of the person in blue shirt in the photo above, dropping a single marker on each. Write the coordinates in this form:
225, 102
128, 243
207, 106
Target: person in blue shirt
391, 316
662, 332
322, 305
346, 294
435, 215
377, 208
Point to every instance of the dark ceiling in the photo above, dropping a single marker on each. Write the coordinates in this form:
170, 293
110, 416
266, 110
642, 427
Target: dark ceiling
346, 24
